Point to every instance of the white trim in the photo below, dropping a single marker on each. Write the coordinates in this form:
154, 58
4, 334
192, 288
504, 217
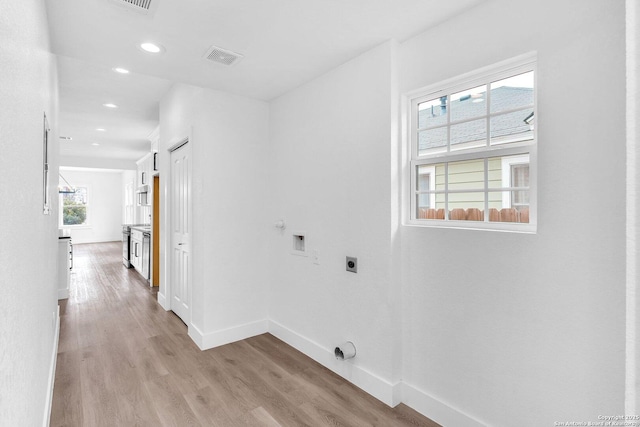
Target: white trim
484, 76
435, 409
372, 384
166, 277
632, 368
510, 227
464, 81
209, 340
162, 300
63, 293
52, 372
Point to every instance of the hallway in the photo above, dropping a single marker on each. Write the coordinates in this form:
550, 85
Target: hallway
124, 361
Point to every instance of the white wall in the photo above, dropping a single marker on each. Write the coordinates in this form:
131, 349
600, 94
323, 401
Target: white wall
468, 327
228, 137
97, 163
129, 179
28, 252
632, 401
517, 329
105, 205
331, 151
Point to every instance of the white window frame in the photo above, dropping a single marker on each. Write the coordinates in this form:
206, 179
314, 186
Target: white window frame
87, 223
486, 75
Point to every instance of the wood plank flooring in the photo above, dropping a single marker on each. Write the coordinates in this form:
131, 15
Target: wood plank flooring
124, 361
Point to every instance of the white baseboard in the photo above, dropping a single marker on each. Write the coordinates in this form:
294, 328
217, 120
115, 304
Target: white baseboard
383, 390
436, 410
162, 300
63, 294
52, 372
226, 336
378, 387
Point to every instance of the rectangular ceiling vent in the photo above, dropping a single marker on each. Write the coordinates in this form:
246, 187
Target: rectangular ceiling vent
146, 7
222, 56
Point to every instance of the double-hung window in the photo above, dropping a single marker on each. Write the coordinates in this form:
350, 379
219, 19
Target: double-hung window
74, 207
473, 150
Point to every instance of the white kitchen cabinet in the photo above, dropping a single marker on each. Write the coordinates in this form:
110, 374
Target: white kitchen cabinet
145, 170
64, 267
136, 249
144, 188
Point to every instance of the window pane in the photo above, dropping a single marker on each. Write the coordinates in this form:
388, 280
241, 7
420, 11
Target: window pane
515, 213
512, 92
424, 212
432, 113
77, 198
466, 175
74, 215
520, 175
509, 171
424, 184
469, 103
469, 135
512, 127
519, 199
424, 178
432, 141
466, 206
74, 207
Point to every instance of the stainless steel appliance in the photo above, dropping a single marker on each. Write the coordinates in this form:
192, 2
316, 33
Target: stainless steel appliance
146, 250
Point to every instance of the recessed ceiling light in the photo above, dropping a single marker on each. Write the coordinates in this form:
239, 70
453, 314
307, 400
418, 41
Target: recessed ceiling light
120, 70
151, 47
110, 105
101, 129
95, 144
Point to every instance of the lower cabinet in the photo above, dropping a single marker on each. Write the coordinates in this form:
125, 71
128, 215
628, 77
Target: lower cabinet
136, 249
64, 267
140, 252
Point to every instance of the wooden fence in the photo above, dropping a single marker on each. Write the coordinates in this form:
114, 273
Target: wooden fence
474, 214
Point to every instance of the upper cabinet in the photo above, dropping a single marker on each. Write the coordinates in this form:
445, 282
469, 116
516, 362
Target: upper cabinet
143, 179
154, 137
146, 168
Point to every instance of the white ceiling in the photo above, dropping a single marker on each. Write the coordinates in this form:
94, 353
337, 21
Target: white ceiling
285, 43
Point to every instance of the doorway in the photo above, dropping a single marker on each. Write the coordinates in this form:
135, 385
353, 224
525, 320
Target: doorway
180, 231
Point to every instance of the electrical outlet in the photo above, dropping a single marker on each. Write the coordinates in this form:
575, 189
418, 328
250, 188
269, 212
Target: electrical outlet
352, 264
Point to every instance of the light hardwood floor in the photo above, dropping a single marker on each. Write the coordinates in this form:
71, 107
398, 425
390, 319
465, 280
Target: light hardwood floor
124, 361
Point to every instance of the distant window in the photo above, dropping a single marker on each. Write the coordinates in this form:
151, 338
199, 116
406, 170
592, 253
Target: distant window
515, 174
426, 181
472, 144
75, 207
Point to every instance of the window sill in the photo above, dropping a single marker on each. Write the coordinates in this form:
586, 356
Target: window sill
502, 227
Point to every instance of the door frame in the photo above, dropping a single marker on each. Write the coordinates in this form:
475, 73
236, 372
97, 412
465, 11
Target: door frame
167, 240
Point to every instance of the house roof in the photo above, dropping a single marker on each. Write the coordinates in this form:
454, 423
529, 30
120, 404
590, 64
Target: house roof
433, 118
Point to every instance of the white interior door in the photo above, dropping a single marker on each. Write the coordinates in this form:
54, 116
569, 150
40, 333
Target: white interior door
180, 236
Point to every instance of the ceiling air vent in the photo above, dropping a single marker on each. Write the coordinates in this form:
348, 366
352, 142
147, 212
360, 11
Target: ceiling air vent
146, 7
222, 56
